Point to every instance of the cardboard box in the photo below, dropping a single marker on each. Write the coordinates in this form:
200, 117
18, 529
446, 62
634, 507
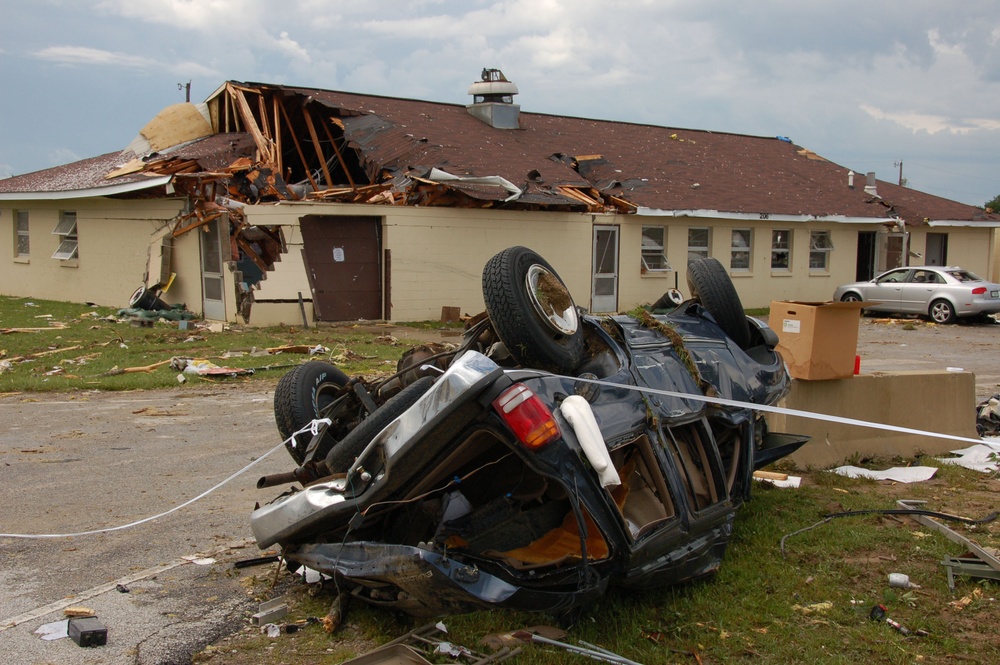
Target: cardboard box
818, 340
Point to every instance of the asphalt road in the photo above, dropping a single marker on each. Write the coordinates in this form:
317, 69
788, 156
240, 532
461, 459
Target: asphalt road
92, 460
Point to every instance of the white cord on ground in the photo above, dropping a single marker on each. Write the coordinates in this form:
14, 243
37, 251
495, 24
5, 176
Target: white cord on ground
312, 427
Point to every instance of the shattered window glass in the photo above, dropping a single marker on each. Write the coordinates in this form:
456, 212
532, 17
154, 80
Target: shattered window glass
23, 239
740, 250
698, 243
66, 228
820, 246
654, 256
781, 249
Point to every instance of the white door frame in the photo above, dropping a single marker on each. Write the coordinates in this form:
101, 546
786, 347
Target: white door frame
213, 281
604, 284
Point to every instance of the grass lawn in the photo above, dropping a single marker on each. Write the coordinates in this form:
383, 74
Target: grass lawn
810, 604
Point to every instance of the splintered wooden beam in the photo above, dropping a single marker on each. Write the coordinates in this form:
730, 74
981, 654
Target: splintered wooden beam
319, 148
251, 253
340, 158
201, 221
298, 147
243, 107
264, 125
275, 103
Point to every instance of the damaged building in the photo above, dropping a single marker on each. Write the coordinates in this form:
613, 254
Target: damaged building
272, 204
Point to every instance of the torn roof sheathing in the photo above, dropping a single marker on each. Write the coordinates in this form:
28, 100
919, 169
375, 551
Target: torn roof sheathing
292, 143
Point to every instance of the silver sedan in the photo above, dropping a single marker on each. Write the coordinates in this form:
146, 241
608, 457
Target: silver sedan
942, 293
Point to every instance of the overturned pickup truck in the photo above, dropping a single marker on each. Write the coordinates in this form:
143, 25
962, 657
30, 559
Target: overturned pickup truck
550, 455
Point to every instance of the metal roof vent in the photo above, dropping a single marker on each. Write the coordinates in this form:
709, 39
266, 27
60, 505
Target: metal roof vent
493, 100
870, 184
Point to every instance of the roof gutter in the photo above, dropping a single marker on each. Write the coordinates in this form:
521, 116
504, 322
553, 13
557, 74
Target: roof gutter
964, 222
90, 192
759, 216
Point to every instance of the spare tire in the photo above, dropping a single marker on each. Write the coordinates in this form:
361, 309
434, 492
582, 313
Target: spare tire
711, 285
532, 311
300, 397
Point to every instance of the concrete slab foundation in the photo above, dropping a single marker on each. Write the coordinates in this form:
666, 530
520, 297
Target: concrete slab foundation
941, 402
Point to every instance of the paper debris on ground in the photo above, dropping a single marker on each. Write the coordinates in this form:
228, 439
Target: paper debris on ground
899, 474
981, 457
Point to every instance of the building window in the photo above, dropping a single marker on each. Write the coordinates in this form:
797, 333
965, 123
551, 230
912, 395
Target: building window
698, 244
66, 230
739, 253
820, 247
23, 243
781, 249
654, 258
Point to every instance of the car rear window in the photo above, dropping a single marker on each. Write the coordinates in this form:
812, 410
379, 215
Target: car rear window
965, 276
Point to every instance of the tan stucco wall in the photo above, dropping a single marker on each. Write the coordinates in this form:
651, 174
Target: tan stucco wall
928, 401
114, 237
437, 255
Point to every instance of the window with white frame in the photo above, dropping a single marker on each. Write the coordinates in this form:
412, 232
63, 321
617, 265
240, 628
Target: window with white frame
781, 249
22, 245
820, 246
66, 230
654, 245
699, 240
739, 253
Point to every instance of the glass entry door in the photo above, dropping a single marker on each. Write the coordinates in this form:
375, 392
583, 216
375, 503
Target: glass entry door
213, 299
604, 292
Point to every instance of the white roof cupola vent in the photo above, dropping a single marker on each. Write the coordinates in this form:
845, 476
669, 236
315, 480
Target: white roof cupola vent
493, 100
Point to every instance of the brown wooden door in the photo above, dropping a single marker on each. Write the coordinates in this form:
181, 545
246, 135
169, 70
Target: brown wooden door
342, 261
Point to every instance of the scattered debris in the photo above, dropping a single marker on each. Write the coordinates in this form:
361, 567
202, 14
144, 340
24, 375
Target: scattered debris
965, 601
901, 581
79, 611
879, 613
269, 611
983, 457
814, 608
899, 474
257, 561
988, 417
778, 479
115, 371
54, 630
418, 647
88, 632
595, 653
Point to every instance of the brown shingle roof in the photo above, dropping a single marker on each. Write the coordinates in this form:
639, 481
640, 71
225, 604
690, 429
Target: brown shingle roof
661, 168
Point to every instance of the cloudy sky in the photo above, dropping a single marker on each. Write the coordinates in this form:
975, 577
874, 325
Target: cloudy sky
868, 85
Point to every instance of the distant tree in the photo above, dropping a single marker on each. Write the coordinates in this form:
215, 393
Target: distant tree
994, 205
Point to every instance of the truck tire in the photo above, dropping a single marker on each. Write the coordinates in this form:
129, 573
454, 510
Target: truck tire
711, 285
300, 397
532, 311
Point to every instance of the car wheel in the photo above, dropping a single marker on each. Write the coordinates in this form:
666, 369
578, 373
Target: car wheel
850, 297
942, 311
300, 397
532, 311
343, 454
711, 285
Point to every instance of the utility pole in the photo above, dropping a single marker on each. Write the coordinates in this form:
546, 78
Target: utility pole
186, 87
900, 165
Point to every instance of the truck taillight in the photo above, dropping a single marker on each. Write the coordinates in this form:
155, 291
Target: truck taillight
527, 416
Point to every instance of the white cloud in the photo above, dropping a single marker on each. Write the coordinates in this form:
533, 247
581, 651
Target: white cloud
82, 55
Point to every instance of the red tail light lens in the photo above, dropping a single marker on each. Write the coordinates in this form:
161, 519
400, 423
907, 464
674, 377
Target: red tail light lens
527, 416
979, 290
